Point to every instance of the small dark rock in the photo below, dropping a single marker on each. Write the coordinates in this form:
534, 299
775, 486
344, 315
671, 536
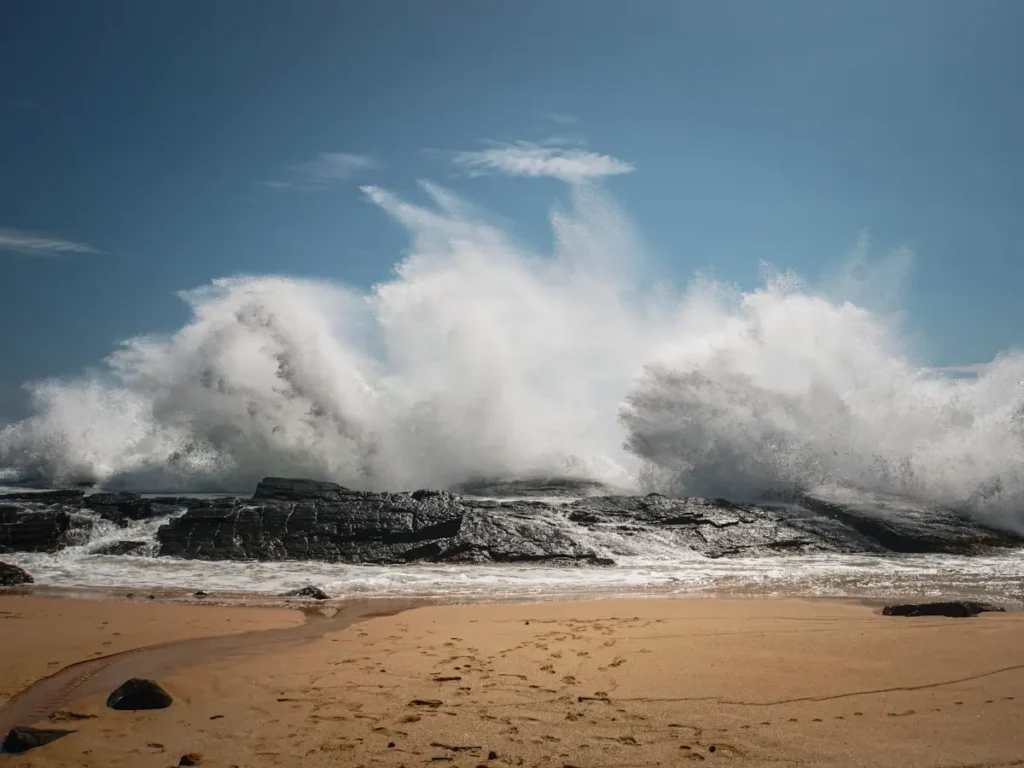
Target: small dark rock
152, 597
712, 748
122, 548
958, 609
130, 595
314, 592
492, 755
139, 694
23, 739
12, 575
192, 758
432, 703
391, 745
200, 593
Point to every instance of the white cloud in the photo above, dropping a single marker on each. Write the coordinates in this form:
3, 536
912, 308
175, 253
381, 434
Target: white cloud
35, 244
532, 159
323, 171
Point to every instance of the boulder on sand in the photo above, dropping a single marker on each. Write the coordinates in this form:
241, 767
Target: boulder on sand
958, 609
315, 592
12, 575
139, 694
22, 739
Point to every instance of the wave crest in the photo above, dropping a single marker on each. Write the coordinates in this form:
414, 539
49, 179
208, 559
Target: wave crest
480, 358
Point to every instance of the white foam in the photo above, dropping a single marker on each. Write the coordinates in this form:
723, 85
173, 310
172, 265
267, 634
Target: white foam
480, 358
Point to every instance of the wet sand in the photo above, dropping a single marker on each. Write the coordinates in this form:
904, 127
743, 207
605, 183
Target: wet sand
593, 683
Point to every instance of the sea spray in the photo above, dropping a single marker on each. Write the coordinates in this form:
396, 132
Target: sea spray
481, 358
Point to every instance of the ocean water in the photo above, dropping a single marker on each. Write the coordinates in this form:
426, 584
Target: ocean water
480, 357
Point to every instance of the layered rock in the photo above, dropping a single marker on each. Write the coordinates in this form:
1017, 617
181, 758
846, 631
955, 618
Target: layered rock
305, 520
26, 529
370, 528
289, 519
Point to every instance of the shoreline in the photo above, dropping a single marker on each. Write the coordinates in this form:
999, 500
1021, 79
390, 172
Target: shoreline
265, 600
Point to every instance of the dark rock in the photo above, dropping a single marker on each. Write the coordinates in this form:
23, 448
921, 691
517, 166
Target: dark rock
431, 526
48, 498
26, 529
306, 520
285, 489
12, 575
550, 487
899, 525
120, 508
122, 548
192, 758
139, 694
958, 609
314, 592
22, 739
200, 593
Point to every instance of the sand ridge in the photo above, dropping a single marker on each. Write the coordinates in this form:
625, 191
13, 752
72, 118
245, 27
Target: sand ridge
594, 683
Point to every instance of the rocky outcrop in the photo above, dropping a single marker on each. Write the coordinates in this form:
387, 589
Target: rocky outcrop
899, 525
47, 498
13, 576
958, 609
285, 489
533, 487
27, 529
552, 521
373, 528
306, 520
120, 508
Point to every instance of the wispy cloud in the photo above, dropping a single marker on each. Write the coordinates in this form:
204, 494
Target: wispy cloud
560, 118
36, 244
540, 159
324, 171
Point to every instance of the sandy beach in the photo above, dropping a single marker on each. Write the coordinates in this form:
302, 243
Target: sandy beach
590, 683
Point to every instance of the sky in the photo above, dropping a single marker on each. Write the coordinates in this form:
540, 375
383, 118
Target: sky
150, 147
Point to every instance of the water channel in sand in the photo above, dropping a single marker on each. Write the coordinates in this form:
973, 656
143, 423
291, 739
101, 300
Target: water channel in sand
104, 674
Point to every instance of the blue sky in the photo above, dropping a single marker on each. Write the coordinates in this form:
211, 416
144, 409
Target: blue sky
149, 147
